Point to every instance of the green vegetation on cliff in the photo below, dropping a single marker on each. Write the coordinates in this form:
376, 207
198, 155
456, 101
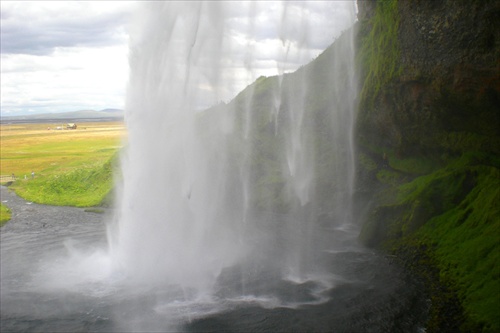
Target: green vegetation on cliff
379, 51
428, 151
287, 129
466, 241
453, 212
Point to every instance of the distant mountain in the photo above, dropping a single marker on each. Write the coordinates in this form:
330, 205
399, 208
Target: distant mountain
115, 111
106, 114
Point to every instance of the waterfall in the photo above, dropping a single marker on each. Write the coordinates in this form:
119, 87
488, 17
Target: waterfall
215, 191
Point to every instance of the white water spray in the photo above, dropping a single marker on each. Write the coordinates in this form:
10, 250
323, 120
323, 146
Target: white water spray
238, 187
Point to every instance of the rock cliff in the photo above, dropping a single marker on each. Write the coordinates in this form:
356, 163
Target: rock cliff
428, 136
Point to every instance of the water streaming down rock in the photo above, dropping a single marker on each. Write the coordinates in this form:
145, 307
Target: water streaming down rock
214, 200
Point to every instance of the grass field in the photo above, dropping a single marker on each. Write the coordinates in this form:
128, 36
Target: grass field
71, 167
4, 214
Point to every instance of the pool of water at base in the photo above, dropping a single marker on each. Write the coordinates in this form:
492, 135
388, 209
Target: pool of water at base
55, 277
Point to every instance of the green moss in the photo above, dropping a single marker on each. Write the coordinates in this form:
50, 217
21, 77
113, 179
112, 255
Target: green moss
386, 176
366, 163
459, 141
446, 313
464, 242
379, 50
438, 208
468, 249
452, 213
414, 165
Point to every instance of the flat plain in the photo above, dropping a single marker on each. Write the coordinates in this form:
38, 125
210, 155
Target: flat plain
70, 166
43, 149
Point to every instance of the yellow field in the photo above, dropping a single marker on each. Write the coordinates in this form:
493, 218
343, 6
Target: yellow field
43, 149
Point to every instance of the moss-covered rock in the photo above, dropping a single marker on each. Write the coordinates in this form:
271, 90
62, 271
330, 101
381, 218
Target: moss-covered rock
428, 135
291, 131
431, 79
454, 214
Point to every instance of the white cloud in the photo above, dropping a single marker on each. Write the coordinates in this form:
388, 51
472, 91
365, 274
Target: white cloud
41, 26
70, 55
63, 56
69, 79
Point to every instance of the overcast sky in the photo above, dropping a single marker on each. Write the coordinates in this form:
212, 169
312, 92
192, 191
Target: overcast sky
59, 56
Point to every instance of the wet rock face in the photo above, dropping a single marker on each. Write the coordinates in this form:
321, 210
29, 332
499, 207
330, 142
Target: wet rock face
366, 9
445, 97
445, 38
430, 76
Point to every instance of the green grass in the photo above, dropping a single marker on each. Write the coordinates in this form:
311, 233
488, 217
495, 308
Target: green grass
34, 148
72, 167
5, 214
81, 187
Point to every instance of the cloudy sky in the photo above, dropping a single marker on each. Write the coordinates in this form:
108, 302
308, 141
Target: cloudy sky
59, 56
